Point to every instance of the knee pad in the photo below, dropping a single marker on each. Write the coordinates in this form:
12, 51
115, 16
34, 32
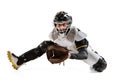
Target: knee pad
100, 65
45, 44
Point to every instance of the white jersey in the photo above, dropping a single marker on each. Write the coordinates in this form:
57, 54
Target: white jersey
68, 40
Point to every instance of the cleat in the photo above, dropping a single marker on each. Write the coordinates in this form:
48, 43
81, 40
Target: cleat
13, 59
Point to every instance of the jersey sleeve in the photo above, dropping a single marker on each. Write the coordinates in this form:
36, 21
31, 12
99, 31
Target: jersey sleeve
79, 35
80, 40
81, 44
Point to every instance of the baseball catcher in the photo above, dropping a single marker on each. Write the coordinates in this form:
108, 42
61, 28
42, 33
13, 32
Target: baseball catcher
63, 36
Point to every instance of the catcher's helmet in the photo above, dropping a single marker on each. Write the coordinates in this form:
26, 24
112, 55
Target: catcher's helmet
62, 17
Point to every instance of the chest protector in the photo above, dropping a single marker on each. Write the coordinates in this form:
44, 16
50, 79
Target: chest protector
67, 39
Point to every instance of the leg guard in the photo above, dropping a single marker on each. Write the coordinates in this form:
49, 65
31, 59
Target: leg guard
100, 65
34, 53
30, 55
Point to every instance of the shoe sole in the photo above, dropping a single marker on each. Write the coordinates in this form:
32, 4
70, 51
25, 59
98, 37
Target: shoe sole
14, 65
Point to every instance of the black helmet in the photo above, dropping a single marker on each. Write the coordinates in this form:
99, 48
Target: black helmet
62, 17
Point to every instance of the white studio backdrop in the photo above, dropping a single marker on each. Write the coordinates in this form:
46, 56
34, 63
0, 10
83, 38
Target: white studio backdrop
24, 24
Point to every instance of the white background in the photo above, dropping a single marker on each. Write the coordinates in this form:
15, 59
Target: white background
24, 24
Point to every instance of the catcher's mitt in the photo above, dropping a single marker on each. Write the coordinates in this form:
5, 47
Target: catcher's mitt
56, 53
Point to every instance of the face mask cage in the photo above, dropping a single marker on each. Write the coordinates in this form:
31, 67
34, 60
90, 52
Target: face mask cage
61, 18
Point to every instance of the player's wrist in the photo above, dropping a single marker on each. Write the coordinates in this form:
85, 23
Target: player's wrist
69, 55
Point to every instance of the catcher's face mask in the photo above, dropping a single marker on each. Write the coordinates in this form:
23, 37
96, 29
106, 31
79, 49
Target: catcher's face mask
62, 27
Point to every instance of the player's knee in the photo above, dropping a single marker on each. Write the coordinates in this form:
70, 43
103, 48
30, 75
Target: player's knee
100, 65
43, 46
